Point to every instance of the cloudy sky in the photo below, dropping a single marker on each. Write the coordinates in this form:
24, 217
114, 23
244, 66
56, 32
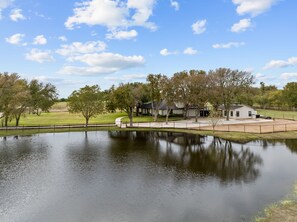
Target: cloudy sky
73, 43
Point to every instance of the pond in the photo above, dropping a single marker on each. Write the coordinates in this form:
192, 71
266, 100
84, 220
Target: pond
141, 176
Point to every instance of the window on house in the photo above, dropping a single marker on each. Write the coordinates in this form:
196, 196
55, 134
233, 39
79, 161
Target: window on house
231, 113
250, 113
237, 113
225, 113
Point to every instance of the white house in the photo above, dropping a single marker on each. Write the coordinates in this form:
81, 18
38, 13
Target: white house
176, 109
238, 111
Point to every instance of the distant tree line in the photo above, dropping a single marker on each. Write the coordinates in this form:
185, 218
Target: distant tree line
18, 96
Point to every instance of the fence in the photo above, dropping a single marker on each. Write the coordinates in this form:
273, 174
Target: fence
246, 128
53, 128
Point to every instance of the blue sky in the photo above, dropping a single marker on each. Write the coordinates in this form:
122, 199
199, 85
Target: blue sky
105, 42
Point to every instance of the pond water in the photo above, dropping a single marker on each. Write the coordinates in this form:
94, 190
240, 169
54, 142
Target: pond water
141, 176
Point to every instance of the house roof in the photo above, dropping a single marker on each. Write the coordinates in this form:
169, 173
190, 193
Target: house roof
234, 106
163, 106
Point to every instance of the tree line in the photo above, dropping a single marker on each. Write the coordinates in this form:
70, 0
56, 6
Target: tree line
19, 96
187, 89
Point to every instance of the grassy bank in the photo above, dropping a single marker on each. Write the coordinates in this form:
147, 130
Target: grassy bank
285, 210
232, 136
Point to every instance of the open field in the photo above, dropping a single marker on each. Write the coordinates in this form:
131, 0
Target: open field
277, 114
59, 107
65, 118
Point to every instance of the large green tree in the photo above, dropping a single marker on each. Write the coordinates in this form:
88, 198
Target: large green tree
88, 101
43, 96
182, 89
290, 94
228, 84
155, 87
168, 95
126, 97
198, 84
14, 97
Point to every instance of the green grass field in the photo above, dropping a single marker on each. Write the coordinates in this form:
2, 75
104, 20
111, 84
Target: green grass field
278, 114
64, 118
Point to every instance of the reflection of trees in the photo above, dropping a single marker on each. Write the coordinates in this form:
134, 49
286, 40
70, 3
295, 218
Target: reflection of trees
292, 145
83, 155
192, 153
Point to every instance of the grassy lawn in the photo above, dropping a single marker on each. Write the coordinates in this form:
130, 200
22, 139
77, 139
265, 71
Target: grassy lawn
278, 114
65, 118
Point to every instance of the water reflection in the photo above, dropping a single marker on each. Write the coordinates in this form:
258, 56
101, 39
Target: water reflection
191, 153
140, 176
83, 155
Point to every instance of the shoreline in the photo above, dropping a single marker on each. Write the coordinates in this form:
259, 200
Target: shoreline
239, 137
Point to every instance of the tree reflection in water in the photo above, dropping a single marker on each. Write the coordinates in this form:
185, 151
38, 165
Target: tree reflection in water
83, 156
192, 153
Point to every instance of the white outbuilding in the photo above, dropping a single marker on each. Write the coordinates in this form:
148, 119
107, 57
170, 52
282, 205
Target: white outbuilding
239, 111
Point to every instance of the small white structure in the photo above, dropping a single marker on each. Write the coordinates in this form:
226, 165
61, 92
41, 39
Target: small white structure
238, 111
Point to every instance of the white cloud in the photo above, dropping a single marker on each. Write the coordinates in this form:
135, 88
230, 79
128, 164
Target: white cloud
102, 63
109, 60
281, 63
16, 39
253, 7
289, 75
39, 56
4, 4
80, 48
16, 15
261, 77
113, 14
63, 38
175, 5
85, 71
41, 16
241, 26
166, 52
190, 51
228, 45
122, 34
40, 40
130, 77
199, 27
143, 11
